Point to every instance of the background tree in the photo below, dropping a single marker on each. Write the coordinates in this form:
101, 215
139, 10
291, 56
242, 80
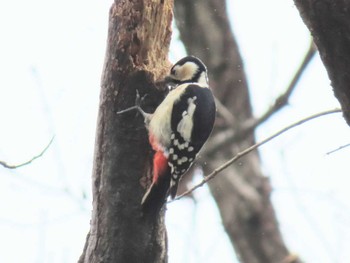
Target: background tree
241, 192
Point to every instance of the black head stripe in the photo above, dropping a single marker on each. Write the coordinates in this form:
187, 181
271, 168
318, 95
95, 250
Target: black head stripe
193, 59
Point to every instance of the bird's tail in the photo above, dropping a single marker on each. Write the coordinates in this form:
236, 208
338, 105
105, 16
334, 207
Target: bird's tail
173, 188
156, 195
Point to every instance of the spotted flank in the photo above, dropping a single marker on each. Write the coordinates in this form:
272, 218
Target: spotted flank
180, 147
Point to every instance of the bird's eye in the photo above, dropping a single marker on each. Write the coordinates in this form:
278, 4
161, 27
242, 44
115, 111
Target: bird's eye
173, 72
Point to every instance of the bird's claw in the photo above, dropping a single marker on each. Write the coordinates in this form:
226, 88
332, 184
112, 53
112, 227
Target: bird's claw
139, 99
137, 105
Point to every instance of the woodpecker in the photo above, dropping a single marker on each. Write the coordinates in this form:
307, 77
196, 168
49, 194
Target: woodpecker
178, 128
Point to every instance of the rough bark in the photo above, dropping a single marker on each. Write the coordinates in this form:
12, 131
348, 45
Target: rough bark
136, 56
329, 24
241, 192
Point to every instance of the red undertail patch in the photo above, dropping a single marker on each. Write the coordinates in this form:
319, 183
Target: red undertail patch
160, 163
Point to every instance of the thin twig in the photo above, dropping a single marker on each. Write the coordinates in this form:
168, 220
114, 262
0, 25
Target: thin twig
9, 166
282, 100
253, 147
339, 148
249, 125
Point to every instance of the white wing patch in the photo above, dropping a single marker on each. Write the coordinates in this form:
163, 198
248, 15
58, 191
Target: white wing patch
185, 126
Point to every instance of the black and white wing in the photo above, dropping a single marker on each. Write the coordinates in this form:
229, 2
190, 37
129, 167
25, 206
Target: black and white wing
192, 121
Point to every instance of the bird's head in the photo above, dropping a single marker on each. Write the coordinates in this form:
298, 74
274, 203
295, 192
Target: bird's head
188, 70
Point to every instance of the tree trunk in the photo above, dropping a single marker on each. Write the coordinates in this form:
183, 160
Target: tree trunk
137, 48
329, 24
241, 192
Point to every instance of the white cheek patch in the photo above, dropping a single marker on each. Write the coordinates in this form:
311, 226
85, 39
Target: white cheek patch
187, 71
185, 126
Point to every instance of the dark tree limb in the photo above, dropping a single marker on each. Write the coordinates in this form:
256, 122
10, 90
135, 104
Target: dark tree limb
242, 193
136, 57
329, 24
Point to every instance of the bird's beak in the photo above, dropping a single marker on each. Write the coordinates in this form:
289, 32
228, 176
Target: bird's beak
170, 81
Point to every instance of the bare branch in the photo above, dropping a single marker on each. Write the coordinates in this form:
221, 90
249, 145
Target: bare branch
339, 148
253, 147
282, 100
9, 166
249, 125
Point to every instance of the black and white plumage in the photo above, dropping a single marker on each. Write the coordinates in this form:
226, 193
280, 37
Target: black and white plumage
179, 127
191, 123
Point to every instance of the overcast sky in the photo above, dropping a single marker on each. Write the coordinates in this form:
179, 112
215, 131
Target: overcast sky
51, 57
